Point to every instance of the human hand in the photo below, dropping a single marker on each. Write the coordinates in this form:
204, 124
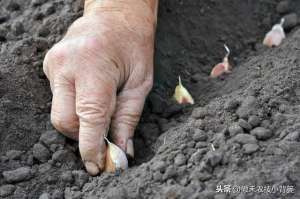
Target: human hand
100, 74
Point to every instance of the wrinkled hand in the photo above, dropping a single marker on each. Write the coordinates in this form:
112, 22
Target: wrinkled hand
100, 74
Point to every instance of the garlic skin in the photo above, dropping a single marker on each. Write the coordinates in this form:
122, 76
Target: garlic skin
223, 67
116, 159
181, 95
275, 36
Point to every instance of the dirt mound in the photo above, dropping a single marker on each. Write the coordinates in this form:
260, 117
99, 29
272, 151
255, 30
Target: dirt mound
242, 136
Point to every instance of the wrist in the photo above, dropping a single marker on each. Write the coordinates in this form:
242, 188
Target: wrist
147, 8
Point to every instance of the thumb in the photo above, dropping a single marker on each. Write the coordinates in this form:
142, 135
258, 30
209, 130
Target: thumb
95, 101
129, 108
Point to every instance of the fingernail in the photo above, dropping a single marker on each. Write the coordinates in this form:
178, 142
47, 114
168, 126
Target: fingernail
91, 168
130, 148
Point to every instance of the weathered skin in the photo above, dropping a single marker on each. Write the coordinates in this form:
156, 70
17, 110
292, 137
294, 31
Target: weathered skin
100, 74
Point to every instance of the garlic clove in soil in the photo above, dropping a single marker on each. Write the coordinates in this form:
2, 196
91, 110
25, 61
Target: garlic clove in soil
116, 159
275, 36
181, 95
223, 67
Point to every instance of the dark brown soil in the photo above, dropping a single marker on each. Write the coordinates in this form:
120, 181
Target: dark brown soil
252, 116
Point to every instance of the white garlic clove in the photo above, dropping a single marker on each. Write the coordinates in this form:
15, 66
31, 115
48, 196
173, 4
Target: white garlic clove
181, 95
116, 159
275, 36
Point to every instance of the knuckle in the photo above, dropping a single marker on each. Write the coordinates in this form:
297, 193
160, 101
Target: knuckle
128, 119
62, 80
64, 123
90, 45
56, 54
125, 123
77, 24
88, 49
148, 84
92, 111
128, 113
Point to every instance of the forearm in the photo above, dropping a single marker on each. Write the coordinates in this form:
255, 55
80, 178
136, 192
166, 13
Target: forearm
94, 6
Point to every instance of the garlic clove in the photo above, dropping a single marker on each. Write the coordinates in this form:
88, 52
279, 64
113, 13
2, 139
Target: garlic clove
181, 95
116, 159
275, 36
218, 70
223, 67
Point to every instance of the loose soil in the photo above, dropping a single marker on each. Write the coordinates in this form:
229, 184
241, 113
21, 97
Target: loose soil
243, 131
